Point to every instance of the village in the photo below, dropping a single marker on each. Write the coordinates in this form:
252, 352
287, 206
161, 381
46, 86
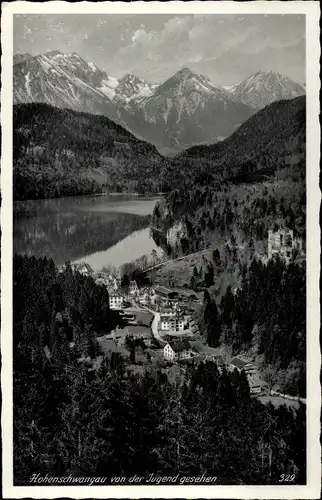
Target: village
159, 322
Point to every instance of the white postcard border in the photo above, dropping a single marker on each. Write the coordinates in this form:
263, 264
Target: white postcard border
312, 489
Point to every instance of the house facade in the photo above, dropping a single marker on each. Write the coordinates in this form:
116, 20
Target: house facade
116, 301
178, 350
255, 384
172, 323
282, 243
133, 288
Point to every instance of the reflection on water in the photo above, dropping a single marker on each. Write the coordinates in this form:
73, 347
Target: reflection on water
130, 248
98, 229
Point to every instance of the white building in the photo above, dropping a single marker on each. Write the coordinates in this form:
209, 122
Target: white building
172, 322
178, 350
282, 243
83, 268
116, 301
255, 384
133, 288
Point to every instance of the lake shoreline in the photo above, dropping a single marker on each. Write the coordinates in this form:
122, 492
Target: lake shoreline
136, 195
105, 229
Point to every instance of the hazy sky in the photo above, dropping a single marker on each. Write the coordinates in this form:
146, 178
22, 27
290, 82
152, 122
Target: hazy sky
226, 48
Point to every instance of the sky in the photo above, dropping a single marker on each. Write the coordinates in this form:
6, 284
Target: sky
226, 48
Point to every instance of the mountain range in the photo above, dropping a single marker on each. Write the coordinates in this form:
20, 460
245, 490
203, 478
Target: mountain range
185, 110
62, 152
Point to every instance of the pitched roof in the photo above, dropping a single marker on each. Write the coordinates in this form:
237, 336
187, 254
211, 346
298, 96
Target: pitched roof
186, 292
175, 317
180, 345
254, 381
196, 360
83, 265
239, 363
110, 346
164, 291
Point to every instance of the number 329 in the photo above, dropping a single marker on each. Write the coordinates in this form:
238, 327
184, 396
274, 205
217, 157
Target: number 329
287, 478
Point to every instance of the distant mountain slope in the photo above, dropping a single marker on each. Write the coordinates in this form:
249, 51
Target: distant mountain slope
61, 152
266, 137
131, 87
65, 81
18, 58
186, 109
263, 88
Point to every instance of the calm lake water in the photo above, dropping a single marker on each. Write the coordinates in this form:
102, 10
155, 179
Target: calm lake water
100, 230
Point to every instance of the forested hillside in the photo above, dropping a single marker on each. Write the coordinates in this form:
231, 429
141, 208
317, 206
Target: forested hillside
265, 318
239, 190
60, 152
276, 128
72, 419
245, 185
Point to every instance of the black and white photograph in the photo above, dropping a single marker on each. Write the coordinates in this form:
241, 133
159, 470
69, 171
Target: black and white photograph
160, 295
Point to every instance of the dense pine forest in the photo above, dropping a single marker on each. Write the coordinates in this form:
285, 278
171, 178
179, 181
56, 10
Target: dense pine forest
71, 417
265, 318
60, 152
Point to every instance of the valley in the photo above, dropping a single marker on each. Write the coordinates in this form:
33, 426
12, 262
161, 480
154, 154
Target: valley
159, 275
185, 110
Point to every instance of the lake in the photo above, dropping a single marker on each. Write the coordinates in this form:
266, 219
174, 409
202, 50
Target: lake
99, 230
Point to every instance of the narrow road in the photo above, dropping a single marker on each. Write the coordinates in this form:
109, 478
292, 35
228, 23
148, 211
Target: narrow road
182, 257
154, 328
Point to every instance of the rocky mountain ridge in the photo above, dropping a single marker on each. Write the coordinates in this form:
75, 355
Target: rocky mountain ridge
265, 87
185, 110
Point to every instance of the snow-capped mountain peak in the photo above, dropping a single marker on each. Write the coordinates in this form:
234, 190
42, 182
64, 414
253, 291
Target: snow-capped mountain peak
63, 80
187, 84
187, 109
264, 87
131, 87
